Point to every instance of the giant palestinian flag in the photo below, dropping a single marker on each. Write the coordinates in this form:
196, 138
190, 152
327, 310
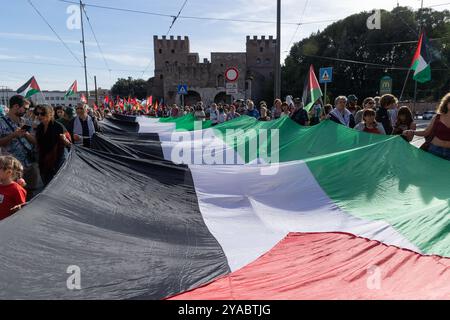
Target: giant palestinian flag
421, 61
29, 89
241, 210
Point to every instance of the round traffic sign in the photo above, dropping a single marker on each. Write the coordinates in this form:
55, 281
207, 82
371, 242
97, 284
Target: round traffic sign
232, 74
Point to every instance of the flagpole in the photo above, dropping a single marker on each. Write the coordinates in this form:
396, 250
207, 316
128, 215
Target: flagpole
409, 70
43, 98
415, 82
84, 51
277, 80
415, 96
404, 84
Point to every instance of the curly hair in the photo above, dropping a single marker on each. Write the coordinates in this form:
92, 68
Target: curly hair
443, 106
11, 163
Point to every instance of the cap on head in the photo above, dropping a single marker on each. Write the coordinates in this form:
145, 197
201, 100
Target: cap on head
69, 112
352, 98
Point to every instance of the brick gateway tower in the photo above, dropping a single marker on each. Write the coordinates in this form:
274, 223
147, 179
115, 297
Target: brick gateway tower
175, 64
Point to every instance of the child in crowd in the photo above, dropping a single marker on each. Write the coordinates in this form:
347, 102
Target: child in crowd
369, 124
404, 122
12, 193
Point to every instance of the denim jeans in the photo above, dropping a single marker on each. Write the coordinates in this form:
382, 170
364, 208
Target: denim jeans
440, 151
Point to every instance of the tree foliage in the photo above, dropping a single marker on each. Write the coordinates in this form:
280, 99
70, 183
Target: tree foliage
393, 46
130, 87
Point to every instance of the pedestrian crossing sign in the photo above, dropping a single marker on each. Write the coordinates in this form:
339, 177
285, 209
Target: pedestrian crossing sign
326, 75
182, 89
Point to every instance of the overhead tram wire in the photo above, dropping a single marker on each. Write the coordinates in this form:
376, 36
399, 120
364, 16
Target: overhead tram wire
219, 19
382, 66
170, 28
209, 18
298, 26
196, 17
404, 42
96, 40
56, 34
438, 5
64, 65
176, 17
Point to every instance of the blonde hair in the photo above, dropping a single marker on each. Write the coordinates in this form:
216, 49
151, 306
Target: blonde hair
48, 110
11, 163
443, 106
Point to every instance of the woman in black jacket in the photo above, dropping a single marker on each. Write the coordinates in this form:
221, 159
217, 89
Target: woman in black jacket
51, 143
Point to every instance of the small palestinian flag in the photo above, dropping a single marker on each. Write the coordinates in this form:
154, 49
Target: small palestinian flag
72, 90
421, 61
312, 91
150, 101
29, 89
83, 98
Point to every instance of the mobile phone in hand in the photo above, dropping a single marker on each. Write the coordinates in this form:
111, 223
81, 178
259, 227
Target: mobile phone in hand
26, 128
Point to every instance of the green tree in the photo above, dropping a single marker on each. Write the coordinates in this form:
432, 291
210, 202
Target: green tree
130, 87
393, 46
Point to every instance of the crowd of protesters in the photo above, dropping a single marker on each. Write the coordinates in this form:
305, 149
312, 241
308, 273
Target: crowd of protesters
34, 143
376, 115
35, 140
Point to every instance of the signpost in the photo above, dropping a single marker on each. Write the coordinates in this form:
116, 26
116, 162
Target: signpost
182, 90
232, 74
232, 88
385, 85
326, 76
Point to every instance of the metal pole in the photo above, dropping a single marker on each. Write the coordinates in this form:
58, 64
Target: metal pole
404, 84
84, 51
415, 82
3, 96
278, 54
325, 93
96, 92
415, 96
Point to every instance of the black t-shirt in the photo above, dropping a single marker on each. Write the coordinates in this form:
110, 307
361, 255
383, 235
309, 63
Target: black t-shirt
383, 118
47, 140
300, 116
85, 127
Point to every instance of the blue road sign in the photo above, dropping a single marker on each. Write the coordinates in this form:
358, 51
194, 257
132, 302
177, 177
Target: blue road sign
183, 89
326, 75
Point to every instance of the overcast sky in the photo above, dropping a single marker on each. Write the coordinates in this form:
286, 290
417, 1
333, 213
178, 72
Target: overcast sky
29, 47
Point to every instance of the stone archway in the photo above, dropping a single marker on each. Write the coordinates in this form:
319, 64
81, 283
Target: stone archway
222, 97
192, 98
